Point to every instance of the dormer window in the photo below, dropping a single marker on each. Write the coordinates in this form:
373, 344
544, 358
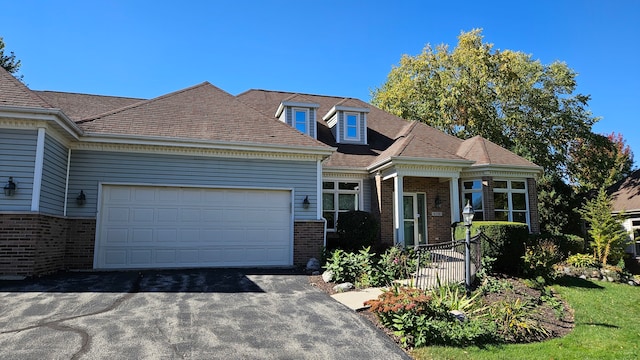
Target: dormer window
348, 124
301, 120
299, 115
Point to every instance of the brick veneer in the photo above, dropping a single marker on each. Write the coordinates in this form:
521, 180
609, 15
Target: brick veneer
534, 219
31, 244
80, 243
308, 241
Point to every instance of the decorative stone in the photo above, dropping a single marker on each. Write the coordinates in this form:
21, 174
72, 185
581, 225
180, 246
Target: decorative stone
583, 277
632, 283
327, 276
343, 287
313, 264
458, 315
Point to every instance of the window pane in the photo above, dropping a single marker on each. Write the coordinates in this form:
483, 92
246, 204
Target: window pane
499, 184
348, 186
472, 185
328, 185
517, 185
352, 132
502, 216
346, 202
408, 207
520, 217
301, 121
352, 120
329, 215
327, 202
519, 201
500, 201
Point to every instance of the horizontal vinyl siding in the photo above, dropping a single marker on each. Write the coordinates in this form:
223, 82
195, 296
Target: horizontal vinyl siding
312, 123
88, 168
366, 195
18, 149
54, 174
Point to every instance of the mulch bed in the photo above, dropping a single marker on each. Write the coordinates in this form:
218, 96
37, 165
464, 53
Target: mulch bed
546, 315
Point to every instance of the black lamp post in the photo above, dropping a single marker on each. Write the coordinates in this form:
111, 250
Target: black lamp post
467, 216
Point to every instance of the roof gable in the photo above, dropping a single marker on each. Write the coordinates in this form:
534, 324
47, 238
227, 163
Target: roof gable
202, 112
15, 93
625, 194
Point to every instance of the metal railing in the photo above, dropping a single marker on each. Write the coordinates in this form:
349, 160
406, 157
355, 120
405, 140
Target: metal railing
444, 263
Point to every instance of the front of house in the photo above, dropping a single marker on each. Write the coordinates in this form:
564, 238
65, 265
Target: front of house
200, 178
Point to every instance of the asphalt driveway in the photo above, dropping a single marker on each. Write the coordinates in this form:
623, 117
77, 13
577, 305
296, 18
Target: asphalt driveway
186, 314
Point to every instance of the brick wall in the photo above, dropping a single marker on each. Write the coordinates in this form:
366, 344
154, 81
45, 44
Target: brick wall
80, 244
489, 208
308, 241
31, 244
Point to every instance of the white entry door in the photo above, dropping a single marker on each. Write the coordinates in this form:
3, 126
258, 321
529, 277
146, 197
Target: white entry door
172, 227
414, 210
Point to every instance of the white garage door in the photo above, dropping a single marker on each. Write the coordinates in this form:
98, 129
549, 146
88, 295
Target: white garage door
170, 227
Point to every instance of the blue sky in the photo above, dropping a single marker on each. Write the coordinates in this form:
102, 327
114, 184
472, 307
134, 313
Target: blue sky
149, 48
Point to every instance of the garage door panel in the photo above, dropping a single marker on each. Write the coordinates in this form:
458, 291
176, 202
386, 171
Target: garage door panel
147, 227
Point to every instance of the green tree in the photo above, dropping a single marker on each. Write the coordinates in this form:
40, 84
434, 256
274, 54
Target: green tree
599, 161
9, 62
505, 96
608, 237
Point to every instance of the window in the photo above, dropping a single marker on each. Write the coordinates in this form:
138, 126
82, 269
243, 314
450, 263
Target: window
472, 192
351, 126
510, 200
300, 122
337, 197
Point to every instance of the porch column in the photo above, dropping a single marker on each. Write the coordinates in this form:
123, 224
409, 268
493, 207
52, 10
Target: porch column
454, 190
398, 219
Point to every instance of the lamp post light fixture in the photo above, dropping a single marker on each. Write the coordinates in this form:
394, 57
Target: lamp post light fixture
10, 188
467, 216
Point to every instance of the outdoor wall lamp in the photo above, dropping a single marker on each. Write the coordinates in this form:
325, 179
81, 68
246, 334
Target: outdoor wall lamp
10, 188
438, 202
81, 199
305, 202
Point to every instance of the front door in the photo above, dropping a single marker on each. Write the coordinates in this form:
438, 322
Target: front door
414, 211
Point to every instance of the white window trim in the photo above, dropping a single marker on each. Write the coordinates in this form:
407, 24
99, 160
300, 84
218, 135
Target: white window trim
294, 121
335, 191
509, 190
346, 136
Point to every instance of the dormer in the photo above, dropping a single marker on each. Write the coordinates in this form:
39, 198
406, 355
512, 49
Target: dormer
348, 124
300, 115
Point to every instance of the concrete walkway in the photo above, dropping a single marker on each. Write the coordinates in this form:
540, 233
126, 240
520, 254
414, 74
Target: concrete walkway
355, 299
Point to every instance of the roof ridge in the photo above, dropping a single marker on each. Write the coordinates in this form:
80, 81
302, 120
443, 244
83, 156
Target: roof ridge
300, 93
85, 94
143, 102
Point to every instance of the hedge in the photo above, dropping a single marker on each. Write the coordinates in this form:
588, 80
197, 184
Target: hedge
502, 240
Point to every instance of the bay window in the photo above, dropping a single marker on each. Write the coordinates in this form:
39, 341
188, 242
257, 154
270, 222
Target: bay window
510, 200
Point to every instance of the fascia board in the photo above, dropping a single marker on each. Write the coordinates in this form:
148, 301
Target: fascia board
54, 115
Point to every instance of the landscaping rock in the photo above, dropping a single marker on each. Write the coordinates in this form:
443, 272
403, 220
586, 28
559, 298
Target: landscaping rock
343, 287
327, 276
313, 264
458, 315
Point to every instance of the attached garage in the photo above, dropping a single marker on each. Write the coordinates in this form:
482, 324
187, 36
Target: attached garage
173, 227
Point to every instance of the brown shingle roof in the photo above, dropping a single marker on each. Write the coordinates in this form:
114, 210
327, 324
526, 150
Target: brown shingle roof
200, 112
15, 93
80, 106
626, 193
485, 152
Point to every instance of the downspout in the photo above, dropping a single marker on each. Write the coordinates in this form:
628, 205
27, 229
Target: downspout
37, 171
66, 183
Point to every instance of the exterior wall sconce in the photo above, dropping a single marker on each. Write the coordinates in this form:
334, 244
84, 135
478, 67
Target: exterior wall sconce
438, 202
81, 199
10, 188
306, 203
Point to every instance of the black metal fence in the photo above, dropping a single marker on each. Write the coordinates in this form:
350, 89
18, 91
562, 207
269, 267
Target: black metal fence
444, 263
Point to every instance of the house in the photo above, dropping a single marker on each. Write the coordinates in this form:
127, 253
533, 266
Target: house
625, 196
202, 178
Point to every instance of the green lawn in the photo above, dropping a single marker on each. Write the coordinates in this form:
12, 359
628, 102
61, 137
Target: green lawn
607, 326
